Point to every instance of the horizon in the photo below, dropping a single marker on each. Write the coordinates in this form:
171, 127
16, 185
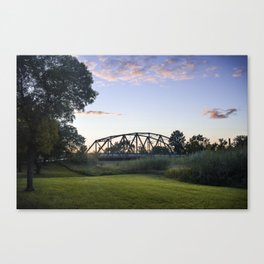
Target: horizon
160, 94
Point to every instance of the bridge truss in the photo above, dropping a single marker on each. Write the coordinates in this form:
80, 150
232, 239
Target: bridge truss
131, 143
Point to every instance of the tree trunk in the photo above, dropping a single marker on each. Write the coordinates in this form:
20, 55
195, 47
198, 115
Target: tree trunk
30, 168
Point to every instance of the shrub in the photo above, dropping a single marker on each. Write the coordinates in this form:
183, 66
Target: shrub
226, 168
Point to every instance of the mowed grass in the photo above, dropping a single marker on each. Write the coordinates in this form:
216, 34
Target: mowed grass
136, 191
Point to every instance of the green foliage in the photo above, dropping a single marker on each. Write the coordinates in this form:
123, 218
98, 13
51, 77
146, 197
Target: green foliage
213, 147
47, 131
226, 168
69, 143
148, 164
177, 141
240, 141
49, 90
80, 156
52, 86
142, 150
177, 172
197, 143
145, 164
222, 144
124, 191
160, 150
123, 146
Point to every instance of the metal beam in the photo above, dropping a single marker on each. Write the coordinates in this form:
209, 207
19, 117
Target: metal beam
145, 140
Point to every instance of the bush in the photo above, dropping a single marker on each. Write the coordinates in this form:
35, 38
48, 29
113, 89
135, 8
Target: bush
225, 168
146, 164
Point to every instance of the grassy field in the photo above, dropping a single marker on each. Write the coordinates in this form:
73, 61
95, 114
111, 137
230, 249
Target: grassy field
59, 188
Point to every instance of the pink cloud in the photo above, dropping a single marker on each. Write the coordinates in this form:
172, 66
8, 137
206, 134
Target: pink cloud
180, 72
216, 113
141, 68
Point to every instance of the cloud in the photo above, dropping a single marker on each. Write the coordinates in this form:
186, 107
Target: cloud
91, 65
237, 72
217, 113
98, 113
211, 71
136, 69
179, 72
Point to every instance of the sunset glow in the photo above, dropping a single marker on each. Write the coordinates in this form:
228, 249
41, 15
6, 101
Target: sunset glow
195, 94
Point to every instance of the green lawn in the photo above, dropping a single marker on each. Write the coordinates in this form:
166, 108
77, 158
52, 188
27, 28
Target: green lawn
59, 188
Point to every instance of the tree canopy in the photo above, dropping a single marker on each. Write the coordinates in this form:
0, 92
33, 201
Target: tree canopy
240, 141
197, 143
49, 90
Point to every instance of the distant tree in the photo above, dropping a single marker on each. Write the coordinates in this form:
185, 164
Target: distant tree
240, 141
80, 156
212, 147
49, 90
222, 144
197, 143
160, 150
124, 146
177, 142
142, 150
115, 148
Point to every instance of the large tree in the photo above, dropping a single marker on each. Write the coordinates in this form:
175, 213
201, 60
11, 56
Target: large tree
177, 141
49, 90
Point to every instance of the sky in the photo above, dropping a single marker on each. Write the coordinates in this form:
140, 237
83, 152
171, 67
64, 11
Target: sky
160, 94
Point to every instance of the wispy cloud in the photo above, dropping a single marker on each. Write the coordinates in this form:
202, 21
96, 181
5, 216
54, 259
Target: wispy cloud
137, 69
91, 65
211, 71
238, 72
217, 113
97, 113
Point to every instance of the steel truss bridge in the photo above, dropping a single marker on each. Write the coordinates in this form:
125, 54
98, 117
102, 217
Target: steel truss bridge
131, 143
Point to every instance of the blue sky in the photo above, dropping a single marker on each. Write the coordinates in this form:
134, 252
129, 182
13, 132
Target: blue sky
194, 94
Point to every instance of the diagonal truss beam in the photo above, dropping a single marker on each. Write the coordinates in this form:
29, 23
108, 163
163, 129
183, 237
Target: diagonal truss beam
131, 143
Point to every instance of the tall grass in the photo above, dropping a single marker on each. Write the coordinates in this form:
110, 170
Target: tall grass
145, 164
226, 168
223, 168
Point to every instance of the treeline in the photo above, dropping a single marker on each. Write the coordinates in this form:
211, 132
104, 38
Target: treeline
199, 143
179, 146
